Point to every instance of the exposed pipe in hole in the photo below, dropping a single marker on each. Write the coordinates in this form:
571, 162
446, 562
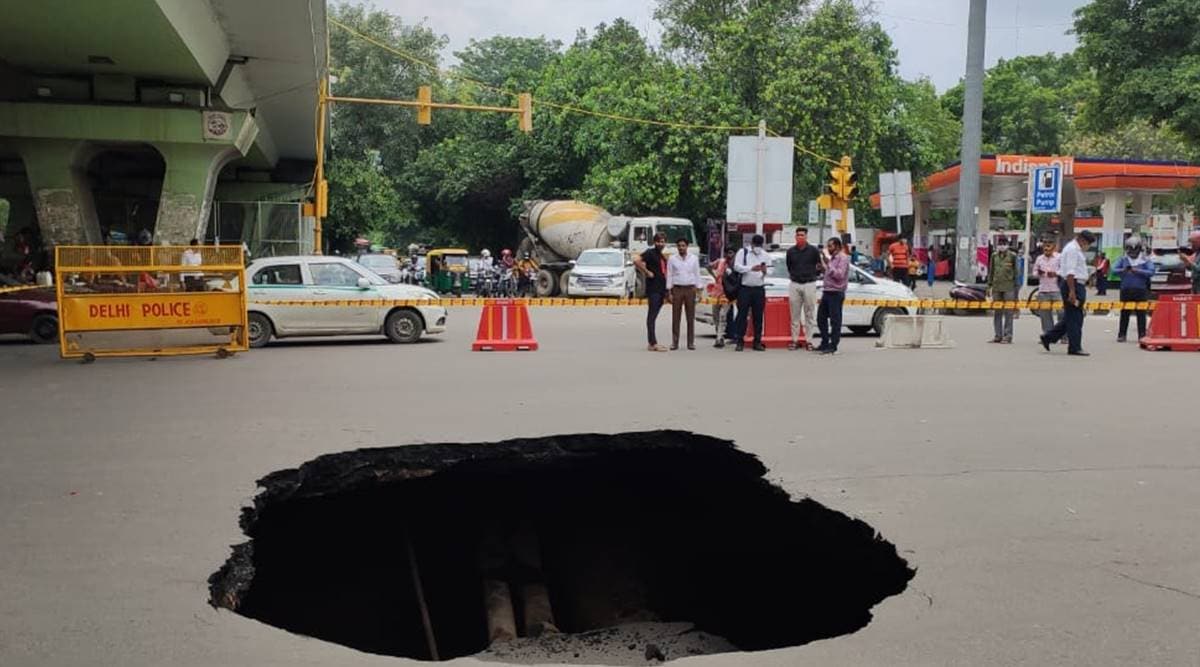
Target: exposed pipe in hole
430, 640
497, 597
537, 613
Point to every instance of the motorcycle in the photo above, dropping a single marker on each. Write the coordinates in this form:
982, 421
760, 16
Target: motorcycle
505, 288
485, 283
967, 292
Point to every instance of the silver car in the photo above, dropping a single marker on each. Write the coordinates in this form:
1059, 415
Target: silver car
348, 286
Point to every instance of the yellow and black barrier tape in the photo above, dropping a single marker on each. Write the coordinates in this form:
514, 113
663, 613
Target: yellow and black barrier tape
925, 305
22, 288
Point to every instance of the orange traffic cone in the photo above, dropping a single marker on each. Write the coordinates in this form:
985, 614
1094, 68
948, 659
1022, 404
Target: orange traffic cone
504, 327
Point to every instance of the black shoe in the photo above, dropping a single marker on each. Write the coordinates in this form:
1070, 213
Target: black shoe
760, 348
1045, 342
739, 347
1120, 339
829, 351
1079, 353
719, 343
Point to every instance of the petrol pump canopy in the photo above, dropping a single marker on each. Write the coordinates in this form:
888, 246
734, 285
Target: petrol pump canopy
1085, 180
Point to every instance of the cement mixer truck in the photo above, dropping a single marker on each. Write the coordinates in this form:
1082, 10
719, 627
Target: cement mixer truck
557, 232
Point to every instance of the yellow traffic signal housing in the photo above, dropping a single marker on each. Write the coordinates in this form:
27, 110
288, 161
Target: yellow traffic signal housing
826, 201
424, 105
525, 112
849, 179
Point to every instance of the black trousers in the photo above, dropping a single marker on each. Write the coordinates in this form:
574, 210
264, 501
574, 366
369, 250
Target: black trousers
1071, 325
1133, 294
752, 301
829, 319
655, 301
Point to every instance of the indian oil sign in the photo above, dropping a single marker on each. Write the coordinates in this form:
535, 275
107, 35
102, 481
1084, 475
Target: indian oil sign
152, 311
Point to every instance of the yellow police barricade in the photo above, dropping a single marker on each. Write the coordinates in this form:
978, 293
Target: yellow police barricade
122, 301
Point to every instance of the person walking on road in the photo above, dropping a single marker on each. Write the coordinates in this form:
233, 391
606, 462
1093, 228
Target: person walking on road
1192, 261
752, 263
1046, 268
1073, 275
897, 259
683, 277
804, 265
653, 267
1102, 270
833, 297
1002, 285
1136, 270
725, 285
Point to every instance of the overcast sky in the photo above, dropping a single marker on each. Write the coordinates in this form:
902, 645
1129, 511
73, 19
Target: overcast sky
929, 34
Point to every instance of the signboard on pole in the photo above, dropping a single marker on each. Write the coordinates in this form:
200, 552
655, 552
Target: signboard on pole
1047, 189
895, 194
741, 203
814, 213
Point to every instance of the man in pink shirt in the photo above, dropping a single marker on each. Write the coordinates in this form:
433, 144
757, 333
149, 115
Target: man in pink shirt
1046, 268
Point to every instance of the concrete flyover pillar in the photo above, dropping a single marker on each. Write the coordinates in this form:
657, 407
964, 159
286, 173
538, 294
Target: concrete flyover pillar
62, 195
187, 190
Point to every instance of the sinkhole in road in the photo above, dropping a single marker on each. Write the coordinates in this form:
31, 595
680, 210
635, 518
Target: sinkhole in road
550, 550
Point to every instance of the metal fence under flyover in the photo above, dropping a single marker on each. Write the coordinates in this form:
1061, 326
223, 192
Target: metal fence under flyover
268, 229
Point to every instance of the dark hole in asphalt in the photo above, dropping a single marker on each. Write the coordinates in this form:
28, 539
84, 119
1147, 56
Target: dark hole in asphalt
611, 549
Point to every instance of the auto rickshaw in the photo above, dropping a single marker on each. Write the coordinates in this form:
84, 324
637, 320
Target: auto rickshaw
446, 271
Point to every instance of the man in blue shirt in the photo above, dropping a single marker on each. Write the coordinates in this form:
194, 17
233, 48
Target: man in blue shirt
1136, 270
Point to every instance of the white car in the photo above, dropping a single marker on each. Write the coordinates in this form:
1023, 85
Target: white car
601, 272
861, 285
334, 279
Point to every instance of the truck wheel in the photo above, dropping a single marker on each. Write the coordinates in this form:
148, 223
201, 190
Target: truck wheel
564, 282
545, 283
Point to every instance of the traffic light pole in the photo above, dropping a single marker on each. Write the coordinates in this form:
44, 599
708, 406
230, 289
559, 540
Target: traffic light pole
972, 138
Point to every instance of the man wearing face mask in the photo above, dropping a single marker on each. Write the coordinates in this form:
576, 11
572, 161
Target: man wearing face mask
652, 264
1002, 285
1136, 270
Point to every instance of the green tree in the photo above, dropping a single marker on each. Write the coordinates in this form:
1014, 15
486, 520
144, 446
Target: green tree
735, 40
1146, 55
630, 167
1029, 103
1139, 139
364, 201
920, 134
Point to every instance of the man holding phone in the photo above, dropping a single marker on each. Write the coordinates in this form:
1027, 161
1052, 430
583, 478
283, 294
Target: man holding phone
752, 263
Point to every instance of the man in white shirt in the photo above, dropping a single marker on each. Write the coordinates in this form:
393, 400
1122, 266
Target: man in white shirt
1072, 276
683, 277
192, 282
752, 263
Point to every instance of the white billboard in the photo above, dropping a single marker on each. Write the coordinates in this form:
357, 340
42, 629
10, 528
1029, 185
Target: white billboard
742, 197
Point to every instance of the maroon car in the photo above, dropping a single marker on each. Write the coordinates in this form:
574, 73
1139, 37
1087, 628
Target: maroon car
30, 312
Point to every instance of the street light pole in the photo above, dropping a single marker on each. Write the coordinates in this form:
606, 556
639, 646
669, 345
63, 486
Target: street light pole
972, 139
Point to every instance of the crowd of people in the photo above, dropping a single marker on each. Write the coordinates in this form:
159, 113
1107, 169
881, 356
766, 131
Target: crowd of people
739, 276
739, 280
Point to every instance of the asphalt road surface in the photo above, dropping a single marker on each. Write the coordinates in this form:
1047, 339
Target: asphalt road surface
1051, 504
